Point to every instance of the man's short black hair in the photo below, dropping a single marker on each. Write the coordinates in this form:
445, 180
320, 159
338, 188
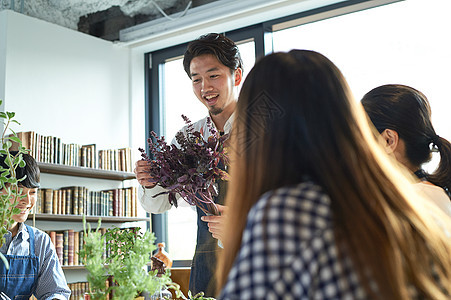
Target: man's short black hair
31, 171
218, 45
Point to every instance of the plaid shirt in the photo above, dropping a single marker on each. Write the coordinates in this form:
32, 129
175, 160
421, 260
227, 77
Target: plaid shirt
288, 251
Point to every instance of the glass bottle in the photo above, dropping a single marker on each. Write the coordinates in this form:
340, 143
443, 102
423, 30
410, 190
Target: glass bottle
163, 255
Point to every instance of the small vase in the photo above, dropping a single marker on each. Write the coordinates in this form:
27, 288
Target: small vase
163, 255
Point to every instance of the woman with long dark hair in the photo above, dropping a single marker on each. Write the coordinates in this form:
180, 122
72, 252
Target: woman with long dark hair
317, 210
402, 115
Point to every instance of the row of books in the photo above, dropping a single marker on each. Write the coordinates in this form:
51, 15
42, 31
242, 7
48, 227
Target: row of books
115, 160
78, 290
68, 243
50, 149
78, 200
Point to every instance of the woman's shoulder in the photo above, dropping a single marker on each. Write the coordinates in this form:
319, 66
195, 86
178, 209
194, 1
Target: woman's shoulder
435, 194
307, 196
304, 205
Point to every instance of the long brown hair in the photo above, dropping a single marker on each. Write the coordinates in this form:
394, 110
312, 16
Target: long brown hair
296, 118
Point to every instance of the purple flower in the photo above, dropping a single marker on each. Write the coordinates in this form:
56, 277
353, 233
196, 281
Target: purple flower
190, 170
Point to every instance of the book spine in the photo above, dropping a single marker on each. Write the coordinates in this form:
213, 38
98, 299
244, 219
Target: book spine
115, 202
52, 235
81, 191
60, 247
70, 247
63, 200
38, 147
129, 202
119, 202
48, 201
76, 248
98, 204
65, 247
80, 242
75, 199
110, 203
89, 204
38, 206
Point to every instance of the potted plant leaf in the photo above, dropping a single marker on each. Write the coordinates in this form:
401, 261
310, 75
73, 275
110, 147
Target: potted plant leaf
9, 183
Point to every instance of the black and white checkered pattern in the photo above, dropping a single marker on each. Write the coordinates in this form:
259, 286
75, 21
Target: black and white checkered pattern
288, 251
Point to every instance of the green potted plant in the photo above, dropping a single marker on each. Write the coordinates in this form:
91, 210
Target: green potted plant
126, 261
9, 183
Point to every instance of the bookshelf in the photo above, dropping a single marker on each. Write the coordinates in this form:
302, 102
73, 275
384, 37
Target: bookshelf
57, 176
49, 217
84, 172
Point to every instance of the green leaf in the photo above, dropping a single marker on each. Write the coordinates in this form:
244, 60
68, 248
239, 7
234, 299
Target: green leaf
22, 164
7, 145
14, 121
15, 139
10, 114
2, 115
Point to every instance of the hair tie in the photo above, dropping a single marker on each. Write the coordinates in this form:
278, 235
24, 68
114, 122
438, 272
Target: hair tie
436, 139
421, 174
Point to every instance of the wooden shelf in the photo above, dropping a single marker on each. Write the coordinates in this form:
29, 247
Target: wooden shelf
51, 217
84, 172
76, 267
83, 267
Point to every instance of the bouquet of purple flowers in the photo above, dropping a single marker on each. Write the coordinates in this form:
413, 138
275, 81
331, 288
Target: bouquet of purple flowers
190, 170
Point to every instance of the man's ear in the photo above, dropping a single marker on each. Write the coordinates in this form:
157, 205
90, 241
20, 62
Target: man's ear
391, 140
238, 76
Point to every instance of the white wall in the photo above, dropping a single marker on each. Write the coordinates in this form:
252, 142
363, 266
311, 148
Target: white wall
67, 84
64, 83
2, 60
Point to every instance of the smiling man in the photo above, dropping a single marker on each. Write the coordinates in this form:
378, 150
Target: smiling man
34, 268
214, 65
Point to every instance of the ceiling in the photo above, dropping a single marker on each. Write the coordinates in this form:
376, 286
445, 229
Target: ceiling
100, 18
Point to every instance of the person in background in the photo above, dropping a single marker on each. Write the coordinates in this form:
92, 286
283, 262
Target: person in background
316, 208
402, 115
34, 268
214, 65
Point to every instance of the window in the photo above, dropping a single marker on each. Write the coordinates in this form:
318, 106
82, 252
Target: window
404, 42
